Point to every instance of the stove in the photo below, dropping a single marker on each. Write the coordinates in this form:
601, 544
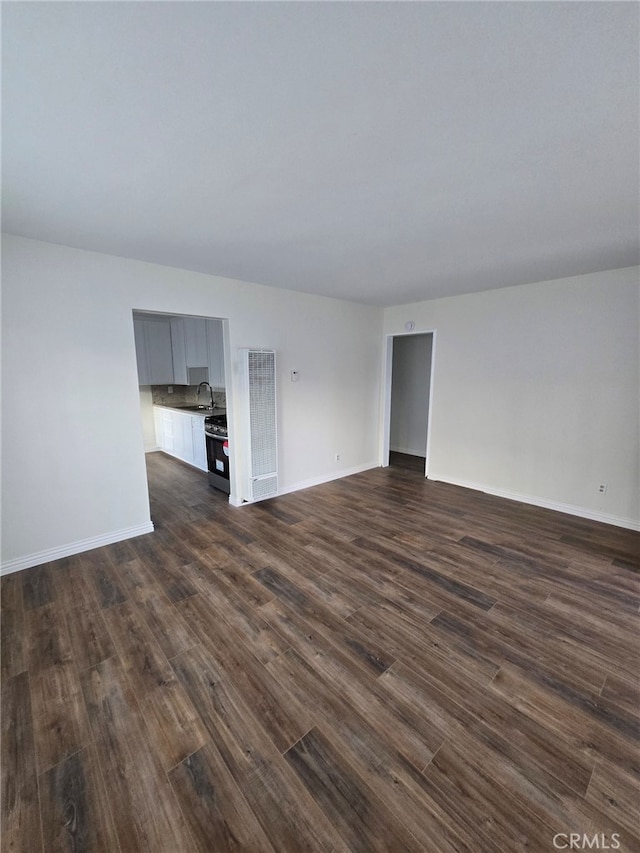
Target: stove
216, 438
216, 426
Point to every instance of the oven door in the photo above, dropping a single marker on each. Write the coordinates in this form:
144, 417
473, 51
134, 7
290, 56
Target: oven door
218, 462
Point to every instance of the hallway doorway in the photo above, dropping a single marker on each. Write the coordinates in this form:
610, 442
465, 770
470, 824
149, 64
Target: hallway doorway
408, 395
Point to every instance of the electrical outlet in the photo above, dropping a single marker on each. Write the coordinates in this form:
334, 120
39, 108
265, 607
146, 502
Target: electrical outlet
169, 389
337, 457
602, 489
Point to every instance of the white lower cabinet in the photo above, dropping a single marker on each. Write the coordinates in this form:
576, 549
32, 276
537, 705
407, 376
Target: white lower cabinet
199, 443
158, 422
167, 431
182, 440
181, 434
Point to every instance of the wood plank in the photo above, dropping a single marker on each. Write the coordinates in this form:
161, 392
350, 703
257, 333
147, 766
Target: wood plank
577, 575
409, 733
407, 589
625, 694
509, 642
363, 820
285, 810
75, 807
450, 706
12, 656
146, 814
21, 830
47, 640
492, 577
585, 644
352, 625
172, 724
616, 794
366, 651
143, 661
172, 634
280, 715
372, 748
496, 815
304, 576
104, 577
37, 588
217, 601
90, 641
120, 552
59, 715
532, 789
243, 584
415, 641
582, 610
373, 722
218, 815
588, 727
164, 566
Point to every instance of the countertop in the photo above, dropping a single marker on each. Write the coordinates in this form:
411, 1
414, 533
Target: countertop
217, 410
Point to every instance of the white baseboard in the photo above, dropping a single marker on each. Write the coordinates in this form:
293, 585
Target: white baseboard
316, 481
570, 509
408, 451
327, 478
72, 548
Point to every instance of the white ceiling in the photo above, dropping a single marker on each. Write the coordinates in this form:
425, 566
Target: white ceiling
380, 152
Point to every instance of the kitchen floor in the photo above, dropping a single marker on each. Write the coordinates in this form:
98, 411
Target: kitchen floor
378, 663
407, 461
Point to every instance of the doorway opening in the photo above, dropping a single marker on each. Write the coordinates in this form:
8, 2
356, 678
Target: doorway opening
183, 366
409, 368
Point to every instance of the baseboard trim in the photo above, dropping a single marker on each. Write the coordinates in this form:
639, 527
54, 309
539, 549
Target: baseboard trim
315, 481
569, 509
27, 562
421, 453
327, 478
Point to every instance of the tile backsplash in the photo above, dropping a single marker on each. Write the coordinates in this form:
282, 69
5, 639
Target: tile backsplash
185, 395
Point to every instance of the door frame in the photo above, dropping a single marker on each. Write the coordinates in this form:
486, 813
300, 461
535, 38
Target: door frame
234, 479
387, 377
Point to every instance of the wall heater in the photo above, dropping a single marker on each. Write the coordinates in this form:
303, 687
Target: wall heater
260, 446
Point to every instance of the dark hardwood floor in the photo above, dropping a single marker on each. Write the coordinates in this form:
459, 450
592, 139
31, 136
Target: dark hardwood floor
379, 663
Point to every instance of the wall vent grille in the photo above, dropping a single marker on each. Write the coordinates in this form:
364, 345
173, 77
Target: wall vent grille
260, 382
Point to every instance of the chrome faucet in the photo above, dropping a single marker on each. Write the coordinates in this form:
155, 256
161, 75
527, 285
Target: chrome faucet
213, 405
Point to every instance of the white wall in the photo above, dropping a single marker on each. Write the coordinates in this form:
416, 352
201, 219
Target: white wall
73, 472
535, 391
410, 393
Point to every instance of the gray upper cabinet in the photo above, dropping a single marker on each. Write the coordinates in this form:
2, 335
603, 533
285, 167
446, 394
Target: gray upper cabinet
196, 341
215, 358
197, 344
178, 350
153, 351
168, 348
142, 356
